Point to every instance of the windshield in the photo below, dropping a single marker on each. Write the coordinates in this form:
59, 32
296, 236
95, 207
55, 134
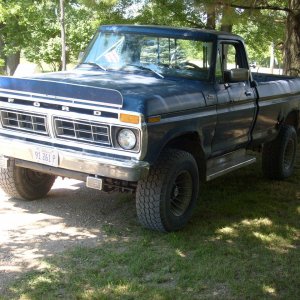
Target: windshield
163, 56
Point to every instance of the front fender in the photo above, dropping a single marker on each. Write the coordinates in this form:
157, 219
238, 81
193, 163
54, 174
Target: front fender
201, 122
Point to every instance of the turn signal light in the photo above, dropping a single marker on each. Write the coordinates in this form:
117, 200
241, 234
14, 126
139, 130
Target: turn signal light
132, 119
154, 119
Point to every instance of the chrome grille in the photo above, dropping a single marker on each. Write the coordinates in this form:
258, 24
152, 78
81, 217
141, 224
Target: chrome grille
82, 131
21, 121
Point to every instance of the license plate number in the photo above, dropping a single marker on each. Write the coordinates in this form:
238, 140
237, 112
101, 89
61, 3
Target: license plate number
46, 157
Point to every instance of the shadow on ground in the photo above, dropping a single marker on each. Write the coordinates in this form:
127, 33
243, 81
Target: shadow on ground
70, 215
243, 242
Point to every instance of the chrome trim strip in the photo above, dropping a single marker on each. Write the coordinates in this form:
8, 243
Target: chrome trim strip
86, 104
226, 163
55, 102
123, 169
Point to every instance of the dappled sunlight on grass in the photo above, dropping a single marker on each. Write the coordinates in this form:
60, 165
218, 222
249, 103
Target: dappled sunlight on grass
269, 290
115, 290
180, 253
39, 280
257, 222
269, 233
228, 231
274, 242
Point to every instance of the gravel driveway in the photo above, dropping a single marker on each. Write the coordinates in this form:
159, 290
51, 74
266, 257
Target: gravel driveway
71, 215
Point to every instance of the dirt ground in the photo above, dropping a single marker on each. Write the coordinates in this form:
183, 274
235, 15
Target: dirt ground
71, 215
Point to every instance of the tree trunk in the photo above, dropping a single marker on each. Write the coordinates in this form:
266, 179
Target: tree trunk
2, 67
11, 63
227, 19
63, 35
292, 41
211, 17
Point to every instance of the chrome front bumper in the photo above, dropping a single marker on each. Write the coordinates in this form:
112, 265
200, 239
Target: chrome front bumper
90, 164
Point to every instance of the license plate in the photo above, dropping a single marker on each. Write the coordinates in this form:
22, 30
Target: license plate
46, 156
94, 183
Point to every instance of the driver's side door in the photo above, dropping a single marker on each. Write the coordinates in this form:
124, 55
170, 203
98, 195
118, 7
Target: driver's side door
236, 107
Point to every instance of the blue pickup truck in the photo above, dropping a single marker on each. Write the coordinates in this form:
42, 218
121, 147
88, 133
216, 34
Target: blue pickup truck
149, 110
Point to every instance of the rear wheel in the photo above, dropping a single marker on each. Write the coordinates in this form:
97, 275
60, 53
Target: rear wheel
166, 198
24, 183
278, 156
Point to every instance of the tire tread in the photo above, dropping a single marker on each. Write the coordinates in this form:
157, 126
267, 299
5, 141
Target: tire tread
14, 184
273, 152
7, 180
149, 189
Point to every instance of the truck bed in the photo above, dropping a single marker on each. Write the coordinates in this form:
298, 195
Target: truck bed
277, 95
265, 77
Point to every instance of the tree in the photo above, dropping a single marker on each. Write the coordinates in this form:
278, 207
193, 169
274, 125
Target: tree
63, 35
292, 42
277, 13
33, 27
13, 32
44, 44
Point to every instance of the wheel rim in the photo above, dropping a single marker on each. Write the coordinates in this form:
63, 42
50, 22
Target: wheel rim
288, 156
181, 193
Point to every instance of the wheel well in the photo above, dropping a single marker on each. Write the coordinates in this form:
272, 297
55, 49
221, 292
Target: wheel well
191, 143
293, 120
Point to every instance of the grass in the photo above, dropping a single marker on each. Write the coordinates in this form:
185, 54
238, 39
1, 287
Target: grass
242, 243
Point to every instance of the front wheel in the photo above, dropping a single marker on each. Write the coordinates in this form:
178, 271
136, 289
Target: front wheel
278, 156
24, 183
166, 198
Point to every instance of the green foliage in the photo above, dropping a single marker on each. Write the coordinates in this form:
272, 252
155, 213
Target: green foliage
261, 28
81, 24
45, 43
13, 25
33, 26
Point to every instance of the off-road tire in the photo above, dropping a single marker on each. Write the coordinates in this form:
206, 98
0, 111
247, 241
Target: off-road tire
166, 198
24, 183
278, 156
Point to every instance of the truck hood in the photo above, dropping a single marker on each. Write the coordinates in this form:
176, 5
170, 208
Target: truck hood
137, 92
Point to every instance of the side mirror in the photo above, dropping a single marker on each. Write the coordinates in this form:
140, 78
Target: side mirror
236, 75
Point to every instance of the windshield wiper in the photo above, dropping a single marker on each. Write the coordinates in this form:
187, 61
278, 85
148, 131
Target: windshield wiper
147, 69
93, 64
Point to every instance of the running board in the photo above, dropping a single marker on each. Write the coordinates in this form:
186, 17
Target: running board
226, 163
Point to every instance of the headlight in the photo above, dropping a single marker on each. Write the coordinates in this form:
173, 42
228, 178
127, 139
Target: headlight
126, 139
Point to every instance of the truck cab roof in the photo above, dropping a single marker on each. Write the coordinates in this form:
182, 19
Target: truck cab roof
166, 31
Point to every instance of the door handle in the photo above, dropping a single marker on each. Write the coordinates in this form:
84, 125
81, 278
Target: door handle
210, 97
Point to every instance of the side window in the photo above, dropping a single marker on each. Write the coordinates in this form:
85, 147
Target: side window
229, 61
230, 57
219, 71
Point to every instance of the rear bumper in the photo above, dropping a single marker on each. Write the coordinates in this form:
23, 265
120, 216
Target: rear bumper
86, 163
